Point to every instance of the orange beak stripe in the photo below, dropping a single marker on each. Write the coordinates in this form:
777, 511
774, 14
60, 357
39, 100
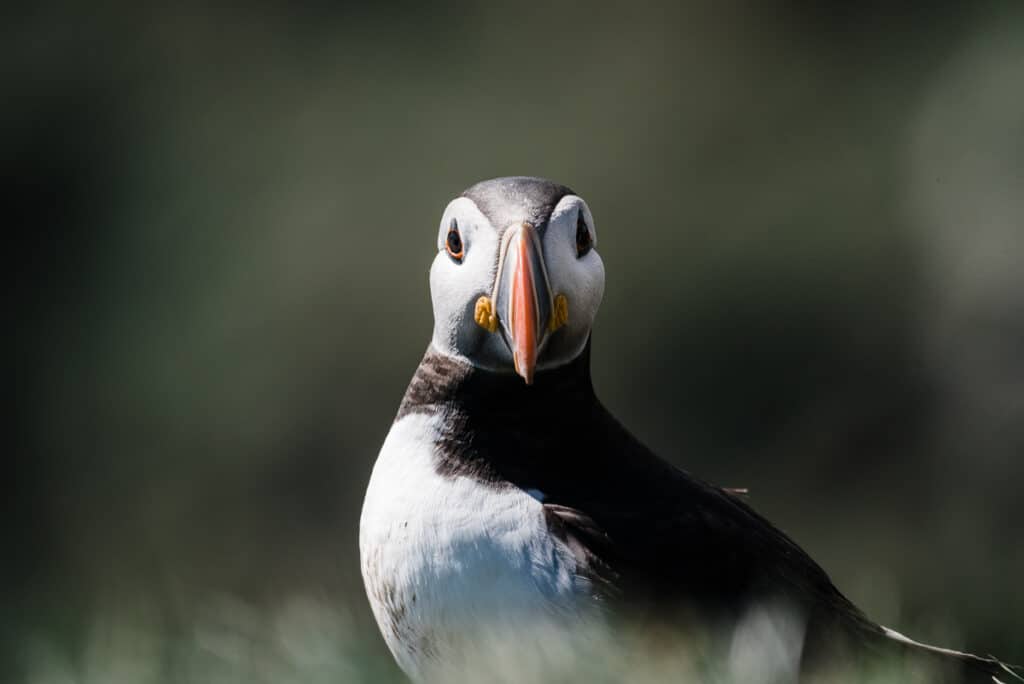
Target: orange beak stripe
523, 309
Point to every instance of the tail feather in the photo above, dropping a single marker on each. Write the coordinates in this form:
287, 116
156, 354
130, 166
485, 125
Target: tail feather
974, 668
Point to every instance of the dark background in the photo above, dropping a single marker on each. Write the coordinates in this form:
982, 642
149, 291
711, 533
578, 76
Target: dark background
221, 223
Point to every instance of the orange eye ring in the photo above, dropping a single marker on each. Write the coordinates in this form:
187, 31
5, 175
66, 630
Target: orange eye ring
453, 243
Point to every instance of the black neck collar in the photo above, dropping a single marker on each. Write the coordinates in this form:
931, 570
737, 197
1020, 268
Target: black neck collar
443, 382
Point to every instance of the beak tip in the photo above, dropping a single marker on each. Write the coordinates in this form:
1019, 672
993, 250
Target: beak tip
523, 370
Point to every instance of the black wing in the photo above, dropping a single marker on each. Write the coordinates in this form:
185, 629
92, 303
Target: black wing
665, 545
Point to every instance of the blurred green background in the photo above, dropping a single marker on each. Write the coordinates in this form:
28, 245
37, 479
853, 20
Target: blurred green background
812, 220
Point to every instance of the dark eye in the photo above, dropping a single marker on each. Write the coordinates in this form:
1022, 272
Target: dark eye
583, 240
453, 243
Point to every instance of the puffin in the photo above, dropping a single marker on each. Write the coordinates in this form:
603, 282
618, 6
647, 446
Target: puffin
508, 511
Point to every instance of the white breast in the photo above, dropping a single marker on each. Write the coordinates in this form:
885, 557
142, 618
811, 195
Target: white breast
453, 566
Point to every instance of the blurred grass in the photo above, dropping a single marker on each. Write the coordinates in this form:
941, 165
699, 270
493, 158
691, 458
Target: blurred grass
312, 639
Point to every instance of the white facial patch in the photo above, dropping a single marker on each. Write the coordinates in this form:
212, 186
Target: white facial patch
579, 278
456, 286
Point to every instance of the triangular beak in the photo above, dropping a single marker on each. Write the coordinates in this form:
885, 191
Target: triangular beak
523, 312
524, 300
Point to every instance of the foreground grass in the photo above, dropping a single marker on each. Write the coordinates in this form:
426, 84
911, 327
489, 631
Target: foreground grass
315, 641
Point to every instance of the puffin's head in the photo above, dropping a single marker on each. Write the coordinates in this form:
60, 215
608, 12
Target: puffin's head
516, 282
